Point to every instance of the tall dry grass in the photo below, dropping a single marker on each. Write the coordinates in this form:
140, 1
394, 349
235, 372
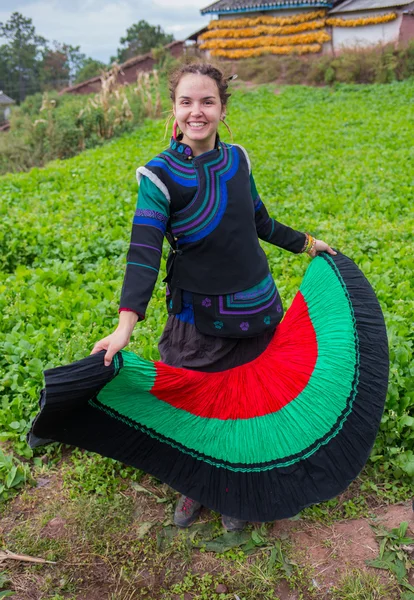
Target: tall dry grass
63, 126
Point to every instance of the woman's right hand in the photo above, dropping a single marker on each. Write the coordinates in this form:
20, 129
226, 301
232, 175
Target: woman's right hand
112, 344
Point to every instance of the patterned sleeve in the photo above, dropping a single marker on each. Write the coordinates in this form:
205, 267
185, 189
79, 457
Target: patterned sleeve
272, 231
144, 254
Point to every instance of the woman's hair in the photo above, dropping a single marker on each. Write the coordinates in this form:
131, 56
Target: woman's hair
200, 69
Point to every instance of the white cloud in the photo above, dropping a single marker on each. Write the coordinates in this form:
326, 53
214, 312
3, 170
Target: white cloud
182, 3
97, 25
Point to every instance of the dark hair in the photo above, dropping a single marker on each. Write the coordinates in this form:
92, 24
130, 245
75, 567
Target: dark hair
200, 69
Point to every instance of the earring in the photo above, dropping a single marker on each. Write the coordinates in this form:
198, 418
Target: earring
175, 129
227, 127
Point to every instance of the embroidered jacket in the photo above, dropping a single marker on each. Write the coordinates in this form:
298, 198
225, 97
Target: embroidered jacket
209, 209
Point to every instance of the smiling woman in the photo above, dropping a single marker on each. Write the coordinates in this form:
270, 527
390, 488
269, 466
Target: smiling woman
247, 414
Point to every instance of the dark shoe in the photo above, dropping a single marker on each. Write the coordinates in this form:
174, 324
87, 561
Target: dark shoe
232, 524
186, 511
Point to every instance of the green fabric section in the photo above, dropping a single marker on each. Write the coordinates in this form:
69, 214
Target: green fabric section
262, 439
136, 376
151, 197
253, 188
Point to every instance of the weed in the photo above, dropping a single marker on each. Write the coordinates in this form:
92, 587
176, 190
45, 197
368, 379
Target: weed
361, 585
89, 473
393, 553
13, 474
4, 580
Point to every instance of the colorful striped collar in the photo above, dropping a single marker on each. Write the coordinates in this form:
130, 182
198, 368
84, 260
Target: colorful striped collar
183, 150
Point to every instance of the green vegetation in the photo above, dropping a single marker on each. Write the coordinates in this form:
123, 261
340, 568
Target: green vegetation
342, 172
48, 126
141, 38
378, 64
333, 161
13, 473
359, 585
394, 549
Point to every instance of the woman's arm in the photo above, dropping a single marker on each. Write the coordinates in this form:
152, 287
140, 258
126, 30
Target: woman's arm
272, 231
276, 233
143, 263
145, 248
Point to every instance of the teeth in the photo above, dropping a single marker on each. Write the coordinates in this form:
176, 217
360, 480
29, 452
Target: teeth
196, 124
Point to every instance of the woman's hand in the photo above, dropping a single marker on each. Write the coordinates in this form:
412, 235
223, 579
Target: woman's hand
321, 246
117, 340
112, 344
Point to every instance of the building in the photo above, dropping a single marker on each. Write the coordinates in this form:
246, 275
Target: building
5, 106
380, 22
245, 28
129, 70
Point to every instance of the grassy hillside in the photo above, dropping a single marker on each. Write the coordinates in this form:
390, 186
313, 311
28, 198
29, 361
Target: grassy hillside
336, 162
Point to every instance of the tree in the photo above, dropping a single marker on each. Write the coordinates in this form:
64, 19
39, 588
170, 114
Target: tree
20, 56
140, 39
54, 71
60, 65
76, 60
89, 69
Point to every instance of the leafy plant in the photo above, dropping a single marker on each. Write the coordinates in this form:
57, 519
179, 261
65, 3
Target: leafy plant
13, 475
393, 553
89, 473
4, 579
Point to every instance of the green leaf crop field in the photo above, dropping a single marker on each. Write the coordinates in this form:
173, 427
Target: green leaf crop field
336, 162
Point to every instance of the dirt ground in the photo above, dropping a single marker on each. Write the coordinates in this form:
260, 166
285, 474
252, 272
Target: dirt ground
41, 516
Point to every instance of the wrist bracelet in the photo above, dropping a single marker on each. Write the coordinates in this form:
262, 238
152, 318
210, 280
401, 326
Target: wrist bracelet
311, 246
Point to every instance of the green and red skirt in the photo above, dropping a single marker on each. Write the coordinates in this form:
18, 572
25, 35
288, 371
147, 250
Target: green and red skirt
259, 441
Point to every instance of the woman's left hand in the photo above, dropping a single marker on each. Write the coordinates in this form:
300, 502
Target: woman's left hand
321, 246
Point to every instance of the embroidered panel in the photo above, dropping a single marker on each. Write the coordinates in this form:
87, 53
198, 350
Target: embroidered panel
243, 314
181, 172
204, 213
250, 301
151, 218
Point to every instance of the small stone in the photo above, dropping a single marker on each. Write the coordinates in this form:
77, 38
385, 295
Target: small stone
42, 481
221, 589
44, 459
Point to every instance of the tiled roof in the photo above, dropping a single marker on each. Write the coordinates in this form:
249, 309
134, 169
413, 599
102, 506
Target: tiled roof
244, 6
128, 63
5, 99
193, 36
356, 5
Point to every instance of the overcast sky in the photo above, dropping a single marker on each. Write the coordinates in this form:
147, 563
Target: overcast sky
97, 25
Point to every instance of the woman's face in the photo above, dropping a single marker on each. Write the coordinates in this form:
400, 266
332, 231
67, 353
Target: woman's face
198, 109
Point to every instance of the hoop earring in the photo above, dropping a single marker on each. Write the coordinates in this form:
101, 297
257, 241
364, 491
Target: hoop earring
175, 128
228, 128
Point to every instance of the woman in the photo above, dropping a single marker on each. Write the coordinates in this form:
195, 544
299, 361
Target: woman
222, 301
247, 414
